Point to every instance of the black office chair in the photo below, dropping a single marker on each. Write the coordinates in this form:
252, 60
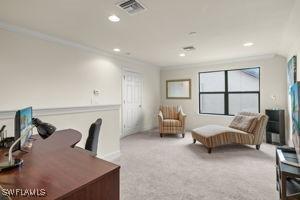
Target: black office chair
92, 140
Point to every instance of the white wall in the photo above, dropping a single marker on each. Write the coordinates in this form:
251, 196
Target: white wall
273, 82
47, 74
291, 43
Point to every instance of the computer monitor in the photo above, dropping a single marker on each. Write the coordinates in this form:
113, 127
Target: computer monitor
23, 119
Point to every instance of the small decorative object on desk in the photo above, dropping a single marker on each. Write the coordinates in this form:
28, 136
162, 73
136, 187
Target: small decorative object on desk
2, 132
44, 129
5, 142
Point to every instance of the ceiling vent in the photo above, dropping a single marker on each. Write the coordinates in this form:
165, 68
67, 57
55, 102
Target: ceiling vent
131, 6
189, 48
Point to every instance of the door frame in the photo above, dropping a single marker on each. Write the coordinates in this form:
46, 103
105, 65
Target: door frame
124, 71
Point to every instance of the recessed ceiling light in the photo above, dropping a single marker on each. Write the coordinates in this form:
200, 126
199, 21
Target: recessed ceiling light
117, 49
114, 18
182, 55
248, 44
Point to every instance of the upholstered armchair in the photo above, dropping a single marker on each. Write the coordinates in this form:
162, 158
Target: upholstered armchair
171, 120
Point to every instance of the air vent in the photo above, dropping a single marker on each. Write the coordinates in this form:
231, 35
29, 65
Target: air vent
131, 6
189, 48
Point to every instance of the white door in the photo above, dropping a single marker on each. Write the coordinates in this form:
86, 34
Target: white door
132, 102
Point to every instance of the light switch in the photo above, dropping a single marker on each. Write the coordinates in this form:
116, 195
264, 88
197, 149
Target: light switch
96, 92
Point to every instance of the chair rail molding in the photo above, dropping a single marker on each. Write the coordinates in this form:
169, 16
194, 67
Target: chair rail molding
10, 114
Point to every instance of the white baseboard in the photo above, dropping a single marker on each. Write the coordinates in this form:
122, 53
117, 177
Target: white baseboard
145, 129
110, 156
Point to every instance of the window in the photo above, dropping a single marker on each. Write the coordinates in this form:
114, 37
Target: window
230, 91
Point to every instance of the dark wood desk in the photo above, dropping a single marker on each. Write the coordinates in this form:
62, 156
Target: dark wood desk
64, 172
287, 176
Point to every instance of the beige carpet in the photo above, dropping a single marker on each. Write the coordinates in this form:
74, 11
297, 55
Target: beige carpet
172, 168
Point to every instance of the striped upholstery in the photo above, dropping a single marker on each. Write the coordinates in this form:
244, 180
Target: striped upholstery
214, 135
171, 120
169, 112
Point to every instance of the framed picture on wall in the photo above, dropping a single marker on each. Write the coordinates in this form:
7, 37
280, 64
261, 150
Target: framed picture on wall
292, 71
178, 89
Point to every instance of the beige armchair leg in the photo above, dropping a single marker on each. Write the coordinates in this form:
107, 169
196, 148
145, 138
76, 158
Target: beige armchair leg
209, 150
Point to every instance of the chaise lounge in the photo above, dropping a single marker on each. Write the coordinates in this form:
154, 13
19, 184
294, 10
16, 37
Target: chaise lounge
246, 128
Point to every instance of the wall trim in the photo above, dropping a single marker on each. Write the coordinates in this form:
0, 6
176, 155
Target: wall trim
10, 114
110, 156
226, 61
50, 38
69, 43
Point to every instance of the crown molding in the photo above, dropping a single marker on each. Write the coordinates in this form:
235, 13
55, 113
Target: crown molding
50, 38
69, 43
226, 61
10, 114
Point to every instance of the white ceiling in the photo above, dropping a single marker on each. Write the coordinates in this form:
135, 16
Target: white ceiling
158, 34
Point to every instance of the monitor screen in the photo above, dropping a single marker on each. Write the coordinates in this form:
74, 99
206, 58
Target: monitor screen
23, 119
295, 103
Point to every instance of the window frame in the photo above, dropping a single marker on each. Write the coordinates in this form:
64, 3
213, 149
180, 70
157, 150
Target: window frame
226, 92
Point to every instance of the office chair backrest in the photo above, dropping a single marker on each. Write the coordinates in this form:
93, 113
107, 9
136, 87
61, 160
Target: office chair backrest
92, 140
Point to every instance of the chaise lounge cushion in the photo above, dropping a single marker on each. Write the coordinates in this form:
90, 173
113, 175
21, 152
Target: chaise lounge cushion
244, 123
212, 130
215, 135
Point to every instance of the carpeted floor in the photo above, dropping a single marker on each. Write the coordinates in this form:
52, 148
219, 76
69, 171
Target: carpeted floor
172, 168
